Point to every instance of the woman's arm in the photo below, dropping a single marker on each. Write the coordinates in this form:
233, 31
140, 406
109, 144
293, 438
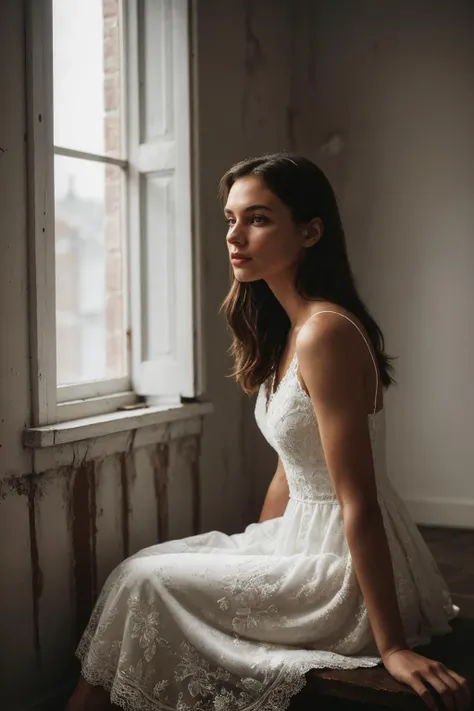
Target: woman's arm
277, 495
331, 357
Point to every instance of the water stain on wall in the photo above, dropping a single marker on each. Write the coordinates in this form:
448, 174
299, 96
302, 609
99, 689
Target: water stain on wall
84, 541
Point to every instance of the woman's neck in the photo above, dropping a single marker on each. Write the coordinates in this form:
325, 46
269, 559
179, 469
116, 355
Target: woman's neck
297, 308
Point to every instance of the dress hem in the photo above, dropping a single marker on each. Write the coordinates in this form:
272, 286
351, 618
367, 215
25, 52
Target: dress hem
289, 682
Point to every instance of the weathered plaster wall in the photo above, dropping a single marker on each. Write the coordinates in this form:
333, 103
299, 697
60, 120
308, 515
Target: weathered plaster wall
394, 79
256, 94
104, 500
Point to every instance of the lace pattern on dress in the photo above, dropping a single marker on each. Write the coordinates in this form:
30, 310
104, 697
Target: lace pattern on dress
149, 665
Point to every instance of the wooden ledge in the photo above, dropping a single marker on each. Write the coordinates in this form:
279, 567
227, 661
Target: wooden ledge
375, 687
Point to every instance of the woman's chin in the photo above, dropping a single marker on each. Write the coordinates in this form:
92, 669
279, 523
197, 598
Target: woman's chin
245, 277
247, 272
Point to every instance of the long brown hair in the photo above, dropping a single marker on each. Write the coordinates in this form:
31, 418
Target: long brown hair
258, 322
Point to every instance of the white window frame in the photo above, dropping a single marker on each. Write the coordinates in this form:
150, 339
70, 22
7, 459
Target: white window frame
174, 375
99, 396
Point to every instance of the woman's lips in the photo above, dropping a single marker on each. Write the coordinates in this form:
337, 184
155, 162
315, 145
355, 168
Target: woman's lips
240, 261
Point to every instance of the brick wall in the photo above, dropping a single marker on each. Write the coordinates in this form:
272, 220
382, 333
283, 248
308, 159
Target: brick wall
67, 298
113, 222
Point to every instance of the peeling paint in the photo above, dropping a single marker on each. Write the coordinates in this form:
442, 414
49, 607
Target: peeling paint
128, 474
190, 448
196, 484
160, 457
12, 483
84, 533
125, 504
93, 527
80, 495
36, 573
28, 486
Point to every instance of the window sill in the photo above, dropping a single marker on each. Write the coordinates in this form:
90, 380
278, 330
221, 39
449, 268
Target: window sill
112, 423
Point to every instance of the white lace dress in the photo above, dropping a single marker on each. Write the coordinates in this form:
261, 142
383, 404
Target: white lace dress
218, 622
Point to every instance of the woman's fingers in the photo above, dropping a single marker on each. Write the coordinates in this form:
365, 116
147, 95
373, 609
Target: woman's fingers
452, 688
464, 691
417, 684
446, 687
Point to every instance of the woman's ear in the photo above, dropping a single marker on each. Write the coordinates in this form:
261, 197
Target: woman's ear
313, 231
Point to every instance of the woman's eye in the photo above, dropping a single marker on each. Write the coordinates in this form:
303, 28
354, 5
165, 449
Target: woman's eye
255, 219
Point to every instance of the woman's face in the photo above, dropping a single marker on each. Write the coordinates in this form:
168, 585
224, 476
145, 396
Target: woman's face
261, 231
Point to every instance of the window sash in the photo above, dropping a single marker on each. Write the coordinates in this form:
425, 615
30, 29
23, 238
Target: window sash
39, 72
163, 288
52, 402
93, 389
96, 157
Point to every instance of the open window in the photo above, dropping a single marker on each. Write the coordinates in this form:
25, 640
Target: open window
112, 269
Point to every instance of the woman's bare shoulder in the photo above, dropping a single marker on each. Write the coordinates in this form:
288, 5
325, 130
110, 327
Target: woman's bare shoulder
325, 329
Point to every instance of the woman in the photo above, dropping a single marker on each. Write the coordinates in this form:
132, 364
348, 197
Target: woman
334, 574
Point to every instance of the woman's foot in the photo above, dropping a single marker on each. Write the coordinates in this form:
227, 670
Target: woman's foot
87, 697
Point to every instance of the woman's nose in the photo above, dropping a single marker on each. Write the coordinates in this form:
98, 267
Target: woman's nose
236, 235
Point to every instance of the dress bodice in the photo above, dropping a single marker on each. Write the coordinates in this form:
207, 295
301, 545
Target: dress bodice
287, 420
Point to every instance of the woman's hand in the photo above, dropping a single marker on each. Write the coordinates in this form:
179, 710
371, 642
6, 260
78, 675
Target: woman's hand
413, 669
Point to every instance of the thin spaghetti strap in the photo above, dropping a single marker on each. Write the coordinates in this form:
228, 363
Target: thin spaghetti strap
366, 343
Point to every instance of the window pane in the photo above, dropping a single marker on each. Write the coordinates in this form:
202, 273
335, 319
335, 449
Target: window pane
87, 75
90, 298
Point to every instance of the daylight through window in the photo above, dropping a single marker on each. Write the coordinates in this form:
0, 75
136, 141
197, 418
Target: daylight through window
89, 178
